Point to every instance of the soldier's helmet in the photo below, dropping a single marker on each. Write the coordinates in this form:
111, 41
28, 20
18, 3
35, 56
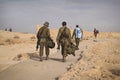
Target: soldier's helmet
64, 23
46, 23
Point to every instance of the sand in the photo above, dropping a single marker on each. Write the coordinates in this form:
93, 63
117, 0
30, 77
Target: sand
97, 59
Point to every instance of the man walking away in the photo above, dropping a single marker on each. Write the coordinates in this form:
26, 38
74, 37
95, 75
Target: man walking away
42, 36
78, 34
63, 39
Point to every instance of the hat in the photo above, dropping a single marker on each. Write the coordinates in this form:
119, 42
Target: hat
77, 25
46, 23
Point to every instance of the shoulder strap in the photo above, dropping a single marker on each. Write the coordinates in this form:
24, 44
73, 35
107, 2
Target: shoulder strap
63, 31
40, 33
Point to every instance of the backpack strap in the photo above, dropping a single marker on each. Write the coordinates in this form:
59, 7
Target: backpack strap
63, 32
38, 37
39, 33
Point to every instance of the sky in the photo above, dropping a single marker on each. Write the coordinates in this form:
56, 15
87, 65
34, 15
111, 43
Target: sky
24, 15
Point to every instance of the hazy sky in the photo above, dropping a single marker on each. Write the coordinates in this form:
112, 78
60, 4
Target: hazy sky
24, 15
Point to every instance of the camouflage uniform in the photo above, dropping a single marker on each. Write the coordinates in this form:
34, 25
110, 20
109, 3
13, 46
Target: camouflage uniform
64, 40
77, 40
42, 38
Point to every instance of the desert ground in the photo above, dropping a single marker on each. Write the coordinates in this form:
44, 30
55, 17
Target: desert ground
96, 59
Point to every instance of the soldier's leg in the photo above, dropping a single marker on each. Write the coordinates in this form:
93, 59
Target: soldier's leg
64, 54
47, 51
76, 41
95, 35
62, 50
63, 43
66, 44
58, 43
41, 50
37, 46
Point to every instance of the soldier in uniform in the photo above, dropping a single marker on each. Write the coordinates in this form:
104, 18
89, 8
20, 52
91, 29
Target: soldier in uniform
63, 39
42, 36
78, 33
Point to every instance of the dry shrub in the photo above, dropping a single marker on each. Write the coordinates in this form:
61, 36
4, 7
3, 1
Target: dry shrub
19, 57
12, 41
17, 41
16, 37
25, 56
115, 71
2, 43
33, 38
9, 41
25, 32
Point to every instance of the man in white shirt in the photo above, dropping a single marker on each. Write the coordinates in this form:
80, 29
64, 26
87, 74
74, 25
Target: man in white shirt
78, 33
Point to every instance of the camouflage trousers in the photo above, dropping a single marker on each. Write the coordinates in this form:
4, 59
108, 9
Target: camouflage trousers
64, 45
41, 51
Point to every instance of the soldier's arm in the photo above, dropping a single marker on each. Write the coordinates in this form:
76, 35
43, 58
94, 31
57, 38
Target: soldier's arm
69, 34
38, 34
58, 35
58, 39
48, 32
82, 32
38, 39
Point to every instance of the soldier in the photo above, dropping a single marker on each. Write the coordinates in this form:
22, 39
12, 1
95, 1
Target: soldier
95, 32
10, 29
5, 29
78, 33
63, 39
42, 36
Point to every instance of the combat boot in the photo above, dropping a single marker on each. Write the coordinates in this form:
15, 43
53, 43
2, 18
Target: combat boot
41, 58
46, 57
64, 59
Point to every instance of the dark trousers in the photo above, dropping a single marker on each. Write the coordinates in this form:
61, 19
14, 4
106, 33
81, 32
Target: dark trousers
95, 34
77, 41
